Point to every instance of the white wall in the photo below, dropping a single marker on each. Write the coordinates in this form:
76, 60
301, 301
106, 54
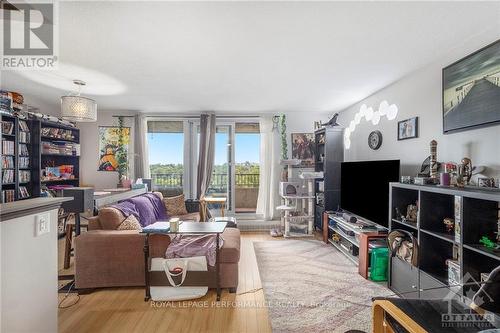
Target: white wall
28, 275
89, 144
419, 94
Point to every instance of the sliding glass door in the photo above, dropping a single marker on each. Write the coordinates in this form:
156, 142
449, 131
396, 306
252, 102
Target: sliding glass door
222, 180
247, 168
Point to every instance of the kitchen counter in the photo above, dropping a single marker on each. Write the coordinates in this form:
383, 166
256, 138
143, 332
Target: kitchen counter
21, 208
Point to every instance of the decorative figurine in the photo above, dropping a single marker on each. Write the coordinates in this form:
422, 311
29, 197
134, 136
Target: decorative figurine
332, 122
487, 243
398, 214
433, 159
449, 224
464, 172
411, 213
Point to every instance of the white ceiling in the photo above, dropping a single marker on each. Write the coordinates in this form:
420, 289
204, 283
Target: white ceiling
247, 56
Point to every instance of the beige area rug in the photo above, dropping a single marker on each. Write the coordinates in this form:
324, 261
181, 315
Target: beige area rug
310, 286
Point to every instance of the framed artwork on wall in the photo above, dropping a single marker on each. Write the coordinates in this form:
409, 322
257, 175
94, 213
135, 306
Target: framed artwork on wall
303, 148
471, 90
109, 146
408, 128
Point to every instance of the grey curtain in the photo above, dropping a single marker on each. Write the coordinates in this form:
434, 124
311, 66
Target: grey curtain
206, 153
141, 163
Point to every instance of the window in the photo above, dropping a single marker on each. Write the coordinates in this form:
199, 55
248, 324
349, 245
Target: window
166, 156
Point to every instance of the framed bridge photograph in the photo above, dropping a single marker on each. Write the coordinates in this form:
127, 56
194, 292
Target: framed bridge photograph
471, 90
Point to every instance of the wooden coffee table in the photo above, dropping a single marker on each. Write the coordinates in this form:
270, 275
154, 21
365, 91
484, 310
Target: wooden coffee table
193, 278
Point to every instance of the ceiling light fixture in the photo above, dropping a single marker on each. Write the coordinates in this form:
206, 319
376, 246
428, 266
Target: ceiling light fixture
78, 108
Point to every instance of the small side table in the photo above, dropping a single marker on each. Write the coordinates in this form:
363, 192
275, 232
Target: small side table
364, 257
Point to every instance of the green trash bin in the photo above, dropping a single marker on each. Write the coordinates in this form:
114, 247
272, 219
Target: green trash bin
379, 264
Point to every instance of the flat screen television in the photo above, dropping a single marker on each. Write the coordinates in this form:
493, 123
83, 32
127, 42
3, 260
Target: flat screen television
365, 189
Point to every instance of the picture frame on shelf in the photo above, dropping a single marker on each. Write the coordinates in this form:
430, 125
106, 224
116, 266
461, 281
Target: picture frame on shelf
408, 129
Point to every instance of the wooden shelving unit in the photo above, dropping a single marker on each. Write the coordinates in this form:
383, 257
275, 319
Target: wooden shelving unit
476, 213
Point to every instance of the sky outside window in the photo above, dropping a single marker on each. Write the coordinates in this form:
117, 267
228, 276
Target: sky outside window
168, 148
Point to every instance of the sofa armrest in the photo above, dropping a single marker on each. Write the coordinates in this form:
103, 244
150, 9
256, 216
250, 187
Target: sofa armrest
106, 258
193, 206
114, 258
94, 223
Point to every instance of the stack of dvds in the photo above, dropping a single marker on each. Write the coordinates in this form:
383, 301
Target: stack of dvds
24, 162
8, 162
7, 147
8, 196
23, 192
7, 176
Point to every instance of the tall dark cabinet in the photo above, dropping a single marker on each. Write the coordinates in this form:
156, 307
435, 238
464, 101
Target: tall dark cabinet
329, 155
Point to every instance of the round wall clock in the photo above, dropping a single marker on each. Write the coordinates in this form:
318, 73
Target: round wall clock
375, 140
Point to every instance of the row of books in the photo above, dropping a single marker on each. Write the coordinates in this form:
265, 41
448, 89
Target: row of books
24, 137
23, 126
8, 162
7, 127
70, 149
23, 192
7, 176
24, 162
7, 147
23, 150
24, 176
8, 196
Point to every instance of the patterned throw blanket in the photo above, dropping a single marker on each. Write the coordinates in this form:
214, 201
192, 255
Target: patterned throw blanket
184, 246
147, 208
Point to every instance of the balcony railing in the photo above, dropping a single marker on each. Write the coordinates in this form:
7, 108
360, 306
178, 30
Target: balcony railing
219, 180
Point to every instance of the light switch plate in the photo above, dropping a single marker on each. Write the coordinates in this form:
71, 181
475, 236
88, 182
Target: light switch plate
42, 224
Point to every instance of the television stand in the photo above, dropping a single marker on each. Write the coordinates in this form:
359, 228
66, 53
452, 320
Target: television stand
353, 240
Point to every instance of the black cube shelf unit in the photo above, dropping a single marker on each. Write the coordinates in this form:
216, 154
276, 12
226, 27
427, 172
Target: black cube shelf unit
329, 155
23, 158
476, 214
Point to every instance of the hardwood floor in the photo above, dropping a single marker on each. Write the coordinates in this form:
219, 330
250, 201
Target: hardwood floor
124, 309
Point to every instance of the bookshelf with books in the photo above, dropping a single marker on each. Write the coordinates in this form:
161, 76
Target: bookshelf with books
8, 153
59, 154
36, 154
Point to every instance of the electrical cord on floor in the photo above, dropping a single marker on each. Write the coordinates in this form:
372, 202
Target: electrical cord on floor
66, 296
249, 291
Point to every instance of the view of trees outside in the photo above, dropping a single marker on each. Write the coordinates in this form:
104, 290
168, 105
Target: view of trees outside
247, 174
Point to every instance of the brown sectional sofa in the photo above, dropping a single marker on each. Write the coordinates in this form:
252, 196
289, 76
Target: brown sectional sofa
106, 257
